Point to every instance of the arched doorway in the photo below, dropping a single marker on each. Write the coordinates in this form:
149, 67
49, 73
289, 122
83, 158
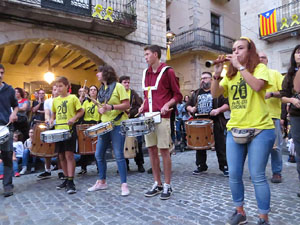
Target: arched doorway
26, 61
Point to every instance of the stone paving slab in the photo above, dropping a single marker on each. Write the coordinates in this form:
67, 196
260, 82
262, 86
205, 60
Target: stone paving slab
197, 199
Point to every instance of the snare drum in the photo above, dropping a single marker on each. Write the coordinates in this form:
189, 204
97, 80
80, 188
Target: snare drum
53, 136
137, 127
38, 147
199, 134
130, 147
86, 145
4, 134
99, 129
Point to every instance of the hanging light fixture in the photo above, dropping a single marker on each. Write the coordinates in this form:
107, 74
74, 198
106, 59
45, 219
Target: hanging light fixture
49, 75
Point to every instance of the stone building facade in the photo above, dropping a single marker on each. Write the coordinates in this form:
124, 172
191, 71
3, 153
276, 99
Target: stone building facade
204, 29
278, 45
25, 28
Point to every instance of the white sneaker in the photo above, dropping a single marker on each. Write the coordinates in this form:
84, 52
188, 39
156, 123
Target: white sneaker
23, 171
124, 189
98, 186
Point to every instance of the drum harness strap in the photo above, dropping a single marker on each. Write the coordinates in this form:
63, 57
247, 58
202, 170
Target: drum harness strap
151, 88
105, 95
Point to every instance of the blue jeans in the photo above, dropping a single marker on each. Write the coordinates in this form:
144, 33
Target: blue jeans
103, 143
258, 153
16, 164
276, 153
295, 122
26, 155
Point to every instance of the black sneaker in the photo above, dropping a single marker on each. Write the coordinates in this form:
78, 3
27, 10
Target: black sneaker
225, 171
141, 168
71, 189
8, 193
262, 222
44, 175
61, 176
199, 170
237, 219
167, 192
155, 190
62, 185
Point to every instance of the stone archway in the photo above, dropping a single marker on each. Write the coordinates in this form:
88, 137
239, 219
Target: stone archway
70, 40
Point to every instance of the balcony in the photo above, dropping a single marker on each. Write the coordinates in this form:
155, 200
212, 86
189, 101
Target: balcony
285, 22
104, 17
201, 39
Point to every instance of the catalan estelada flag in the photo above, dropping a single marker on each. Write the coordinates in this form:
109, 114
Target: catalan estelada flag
267, 22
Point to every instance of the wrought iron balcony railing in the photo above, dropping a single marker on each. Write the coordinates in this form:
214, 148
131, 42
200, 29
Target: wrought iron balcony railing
279, 21
123, 11
198, 38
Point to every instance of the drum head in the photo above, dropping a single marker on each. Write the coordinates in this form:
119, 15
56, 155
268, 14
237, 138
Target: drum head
97, 126
3, 131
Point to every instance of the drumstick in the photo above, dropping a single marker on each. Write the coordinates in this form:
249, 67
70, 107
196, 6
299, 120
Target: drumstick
83, 89
154, 114
141, 106
58, 124
94, 101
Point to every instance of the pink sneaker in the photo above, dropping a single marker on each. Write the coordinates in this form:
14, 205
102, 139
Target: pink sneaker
98, 186
1, 177
124, 189
17, 174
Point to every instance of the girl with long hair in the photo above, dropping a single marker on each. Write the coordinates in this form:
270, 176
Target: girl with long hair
250, 128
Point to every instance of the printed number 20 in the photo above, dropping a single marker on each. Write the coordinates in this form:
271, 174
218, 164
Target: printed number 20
240, 90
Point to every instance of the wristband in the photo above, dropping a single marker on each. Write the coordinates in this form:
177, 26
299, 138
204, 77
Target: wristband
272, 94
112, 107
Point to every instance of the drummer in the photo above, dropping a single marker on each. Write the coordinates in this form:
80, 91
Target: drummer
114, 99
7, 102
135, 104
161, 91
91, 116
202, 105
66, 110
48, 113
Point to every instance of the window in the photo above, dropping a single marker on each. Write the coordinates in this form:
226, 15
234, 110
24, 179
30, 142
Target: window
168, 24
215, 27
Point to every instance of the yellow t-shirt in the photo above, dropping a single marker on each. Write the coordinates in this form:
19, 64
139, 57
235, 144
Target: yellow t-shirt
90, 111
274, 104
248, 107
65, 108
119, 94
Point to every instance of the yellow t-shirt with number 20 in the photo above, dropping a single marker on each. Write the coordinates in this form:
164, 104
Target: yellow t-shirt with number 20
248, 107
65, 108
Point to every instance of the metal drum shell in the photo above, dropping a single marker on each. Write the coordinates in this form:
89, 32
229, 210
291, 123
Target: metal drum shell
99, 129
4, 134
137, 126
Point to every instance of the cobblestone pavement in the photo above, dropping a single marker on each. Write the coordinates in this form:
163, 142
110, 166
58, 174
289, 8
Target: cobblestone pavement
197, 199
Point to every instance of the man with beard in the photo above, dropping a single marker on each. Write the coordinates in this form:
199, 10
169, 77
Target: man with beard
202, 103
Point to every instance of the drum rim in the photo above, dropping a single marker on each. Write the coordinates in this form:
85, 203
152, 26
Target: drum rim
99, 125
60, 131
4, 130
